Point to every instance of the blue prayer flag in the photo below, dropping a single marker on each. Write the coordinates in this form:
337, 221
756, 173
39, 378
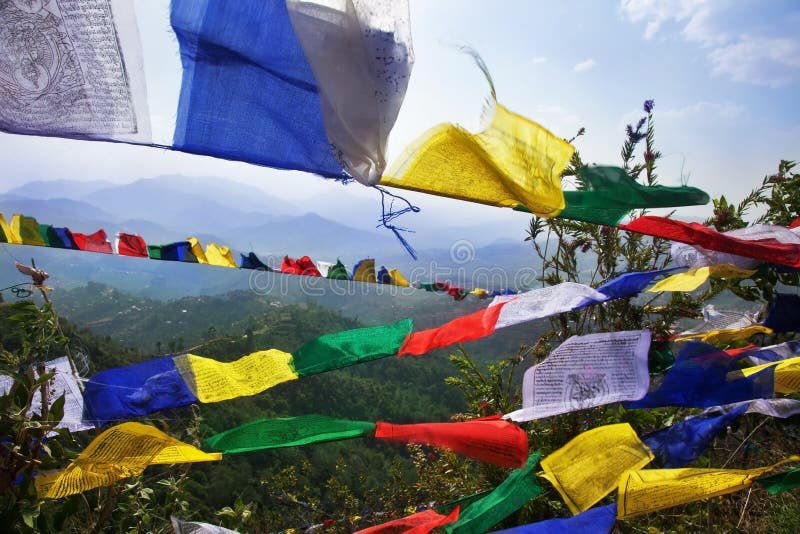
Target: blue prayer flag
598, 520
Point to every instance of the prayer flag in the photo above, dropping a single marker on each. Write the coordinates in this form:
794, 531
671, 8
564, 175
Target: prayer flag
195, 527
27, 229
131, 245
338, 272
781, 408
598, 520
588, 467
721, 337
516, 490
95, 242
781, 482
784, 313
7, 235
513, 161
178, 251
364, 271
419, 523
787, 374
219, 255
303, 266
586, 371
714, 319
649, 490
251, 261
692, 279
398, 279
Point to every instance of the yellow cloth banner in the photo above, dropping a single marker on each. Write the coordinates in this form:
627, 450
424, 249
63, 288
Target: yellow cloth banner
650, 490
213, 381
694, 278
197, 250
219, 255
787, 374
514, 161
11, 235
120, 452
365, 272
726, 336
397, 278
588, 467
27, 229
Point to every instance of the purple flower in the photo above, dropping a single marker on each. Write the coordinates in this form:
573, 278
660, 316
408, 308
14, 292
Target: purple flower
648, 106
649, 156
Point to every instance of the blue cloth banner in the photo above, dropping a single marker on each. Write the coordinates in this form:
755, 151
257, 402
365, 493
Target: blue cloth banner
684, 442
251, 261
699, 379
598, 520
784, 314
247, 91
135, 390
383, 276
629, 284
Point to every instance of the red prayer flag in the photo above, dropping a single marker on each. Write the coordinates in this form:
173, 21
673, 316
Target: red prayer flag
131, 245
95, 242
768, 250
488, 439
302, 266
473, 326
795, 223
419, 523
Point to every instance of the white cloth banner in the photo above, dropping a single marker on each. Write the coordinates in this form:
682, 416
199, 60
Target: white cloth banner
714, 319
62, 383
323, 267
360, 53
781, 408
193, 527
685, 255
787, 350
72, 68
586, 371
544, 302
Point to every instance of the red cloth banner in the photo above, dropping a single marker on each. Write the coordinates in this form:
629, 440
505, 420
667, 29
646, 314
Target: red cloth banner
131, 245
95, 242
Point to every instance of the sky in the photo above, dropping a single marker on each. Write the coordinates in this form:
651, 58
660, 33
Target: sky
724, 76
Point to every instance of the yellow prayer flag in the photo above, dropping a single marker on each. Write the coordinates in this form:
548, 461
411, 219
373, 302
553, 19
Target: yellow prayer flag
11, 235
219, 255
787, 374
397, 278
27, 229
694, 278
588, 467
213, 381
120, 452
649, 490
480, 293
365, 272
716, 337
513, 161
197, 250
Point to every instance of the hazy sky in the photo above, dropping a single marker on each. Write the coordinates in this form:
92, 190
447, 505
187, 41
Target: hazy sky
724, 76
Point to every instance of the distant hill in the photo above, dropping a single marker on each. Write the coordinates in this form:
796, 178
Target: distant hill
72, 189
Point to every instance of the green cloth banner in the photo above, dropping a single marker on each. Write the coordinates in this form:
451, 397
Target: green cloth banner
338, 272
519, 488
342, 349
781, 482
287, 432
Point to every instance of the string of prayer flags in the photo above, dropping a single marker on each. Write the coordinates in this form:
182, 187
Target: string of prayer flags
781, 482
419, 523
770, 249
513, 161
784, 313
588, 467
265, 434
694, 278
699, 379
488, 439
611, 193
599, 520
586, 371
174, 381
131, 245
196, 527
516, 490
361, 55
649, 490
684, 442
120, 452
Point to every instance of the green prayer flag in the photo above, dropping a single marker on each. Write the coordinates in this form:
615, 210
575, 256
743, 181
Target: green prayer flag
287, 432
29, 231
781, 482
154, 251
342, 349
338, 271
507, 498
